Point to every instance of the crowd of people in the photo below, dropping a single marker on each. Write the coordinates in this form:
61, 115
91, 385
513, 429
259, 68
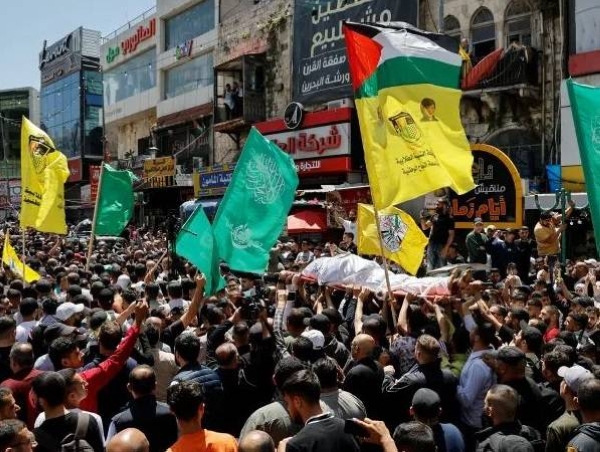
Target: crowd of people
120, 349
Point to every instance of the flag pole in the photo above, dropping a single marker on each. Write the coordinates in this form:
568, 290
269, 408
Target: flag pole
93, 232
23, 248
385, 265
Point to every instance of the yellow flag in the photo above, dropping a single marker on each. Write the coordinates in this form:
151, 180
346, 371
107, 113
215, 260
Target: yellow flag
12, 261
44, 171
403, 241
406, 92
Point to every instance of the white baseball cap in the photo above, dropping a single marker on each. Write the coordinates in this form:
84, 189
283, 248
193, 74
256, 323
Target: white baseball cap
66, 310
316, 337
574, 376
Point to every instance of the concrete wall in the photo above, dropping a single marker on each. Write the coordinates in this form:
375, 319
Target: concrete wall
264, 27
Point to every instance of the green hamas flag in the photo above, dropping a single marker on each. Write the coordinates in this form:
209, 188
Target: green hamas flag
115, 203
256, 204
585, 105
195, 242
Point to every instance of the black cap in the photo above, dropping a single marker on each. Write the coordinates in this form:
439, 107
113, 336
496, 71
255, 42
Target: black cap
426, 403
57, 330
97, 319
509, 355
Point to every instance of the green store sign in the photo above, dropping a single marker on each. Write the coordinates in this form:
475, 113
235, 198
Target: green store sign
112, 53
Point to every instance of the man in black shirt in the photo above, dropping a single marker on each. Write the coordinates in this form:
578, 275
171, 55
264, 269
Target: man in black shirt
154, 419
8, 331
322, 431
441, 234
49, 391
365, 376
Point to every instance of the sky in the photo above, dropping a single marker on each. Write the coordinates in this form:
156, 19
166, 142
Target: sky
24, 24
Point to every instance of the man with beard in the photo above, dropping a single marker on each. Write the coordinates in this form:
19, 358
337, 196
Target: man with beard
441, 234
322, 431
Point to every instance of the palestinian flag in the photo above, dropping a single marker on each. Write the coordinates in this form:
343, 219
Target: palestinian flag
406, 89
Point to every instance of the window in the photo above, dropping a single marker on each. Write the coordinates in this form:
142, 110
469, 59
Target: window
518, 23
189, 24
189, 76
13, 106
130, 78
452, 26
483, 33
60, 104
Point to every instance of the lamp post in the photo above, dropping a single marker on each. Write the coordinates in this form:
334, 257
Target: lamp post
563, 199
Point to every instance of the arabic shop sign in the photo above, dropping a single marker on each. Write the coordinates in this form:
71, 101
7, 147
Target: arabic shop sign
131, 43
212, 180
319, 49
55, 51
161, 167
323, 166
324, 141
498, 197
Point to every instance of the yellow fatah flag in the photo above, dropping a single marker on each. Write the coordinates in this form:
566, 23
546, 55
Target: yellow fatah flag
44, 171
406, 91
403, 241
12, 261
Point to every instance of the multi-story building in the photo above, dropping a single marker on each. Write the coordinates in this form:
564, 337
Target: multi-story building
14, 104
128, 59
71, 104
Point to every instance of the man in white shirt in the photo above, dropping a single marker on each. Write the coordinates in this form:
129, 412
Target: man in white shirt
28, 309
350, 223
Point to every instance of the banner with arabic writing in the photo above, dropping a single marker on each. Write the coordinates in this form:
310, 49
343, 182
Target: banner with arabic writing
320, 67
498, 197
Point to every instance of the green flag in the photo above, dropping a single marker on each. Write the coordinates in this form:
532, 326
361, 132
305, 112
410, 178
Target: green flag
115, 202
585, 105
256, 204
195, 242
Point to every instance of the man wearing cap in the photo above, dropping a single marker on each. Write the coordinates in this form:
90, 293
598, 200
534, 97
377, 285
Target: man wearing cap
535, 410
475, 242
426, 407
69, 314
587, 438
441, 234
561, 430
332, 346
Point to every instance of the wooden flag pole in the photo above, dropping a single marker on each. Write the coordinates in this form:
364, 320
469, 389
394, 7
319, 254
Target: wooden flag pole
93, 232
153, 269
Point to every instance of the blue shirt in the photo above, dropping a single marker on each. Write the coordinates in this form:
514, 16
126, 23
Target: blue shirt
475, 380
453, 438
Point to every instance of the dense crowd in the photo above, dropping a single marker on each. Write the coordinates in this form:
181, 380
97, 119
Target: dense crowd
125, 352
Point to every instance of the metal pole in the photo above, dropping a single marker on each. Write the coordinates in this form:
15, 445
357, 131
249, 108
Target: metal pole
441, 16
563, 235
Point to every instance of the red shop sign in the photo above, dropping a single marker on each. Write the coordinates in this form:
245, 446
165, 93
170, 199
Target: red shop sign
323, 166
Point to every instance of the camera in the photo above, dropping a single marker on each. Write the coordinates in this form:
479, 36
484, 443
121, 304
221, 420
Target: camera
250, 308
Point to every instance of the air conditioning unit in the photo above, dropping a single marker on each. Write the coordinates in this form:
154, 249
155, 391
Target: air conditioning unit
340, 103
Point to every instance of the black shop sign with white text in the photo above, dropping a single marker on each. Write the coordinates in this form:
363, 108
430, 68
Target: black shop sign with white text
498, 196
320, 66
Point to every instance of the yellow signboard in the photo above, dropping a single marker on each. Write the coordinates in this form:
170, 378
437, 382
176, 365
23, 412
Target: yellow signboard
160, 167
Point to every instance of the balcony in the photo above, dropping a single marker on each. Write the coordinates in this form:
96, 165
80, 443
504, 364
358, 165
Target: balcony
239, 95
512, 70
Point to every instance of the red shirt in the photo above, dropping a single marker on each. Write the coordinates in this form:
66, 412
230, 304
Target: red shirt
20, 385
99, 376
551, 334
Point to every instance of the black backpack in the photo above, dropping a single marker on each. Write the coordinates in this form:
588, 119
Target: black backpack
73, 442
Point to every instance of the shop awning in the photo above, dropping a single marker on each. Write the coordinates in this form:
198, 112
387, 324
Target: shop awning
307, 221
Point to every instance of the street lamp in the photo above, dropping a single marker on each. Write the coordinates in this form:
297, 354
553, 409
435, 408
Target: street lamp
563, 199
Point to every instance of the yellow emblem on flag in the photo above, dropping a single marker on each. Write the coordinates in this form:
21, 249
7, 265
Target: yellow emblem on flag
12, 261
44, 171
403, 241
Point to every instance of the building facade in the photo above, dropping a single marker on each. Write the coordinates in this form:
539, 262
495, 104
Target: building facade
14, 104
128, 59
71, 98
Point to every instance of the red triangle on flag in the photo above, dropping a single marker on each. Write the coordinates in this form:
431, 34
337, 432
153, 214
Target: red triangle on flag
363, 55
